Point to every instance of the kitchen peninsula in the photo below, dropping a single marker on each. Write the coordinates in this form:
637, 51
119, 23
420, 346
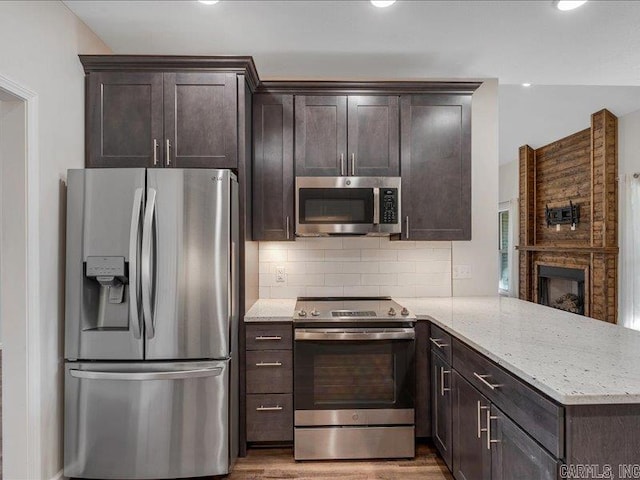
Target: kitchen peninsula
570, 382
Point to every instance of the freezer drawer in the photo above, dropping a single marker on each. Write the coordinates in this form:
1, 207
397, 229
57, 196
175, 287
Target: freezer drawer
142, 420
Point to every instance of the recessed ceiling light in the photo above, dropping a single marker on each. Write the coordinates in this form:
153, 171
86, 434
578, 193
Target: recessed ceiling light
382, 3
209, 2
526, 84
565, 5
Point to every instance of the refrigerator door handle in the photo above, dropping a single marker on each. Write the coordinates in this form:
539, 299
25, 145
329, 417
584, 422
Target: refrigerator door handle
144, 376
147, 274
134, 241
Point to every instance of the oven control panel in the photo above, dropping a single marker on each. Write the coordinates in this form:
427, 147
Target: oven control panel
388, 205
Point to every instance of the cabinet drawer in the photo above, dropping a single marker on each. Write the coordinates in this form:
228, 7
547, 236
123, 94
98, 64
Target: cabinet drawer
269, 336
539, 417
440, 342
270, 371
270, 418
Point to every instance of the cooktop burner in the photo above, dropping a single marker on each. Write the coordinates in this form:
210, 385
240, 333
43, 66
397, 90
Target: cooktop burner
350, 309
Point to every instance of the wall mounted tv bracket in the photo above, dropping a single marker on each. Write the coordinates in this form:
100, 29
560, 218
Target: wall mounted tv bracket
563, 215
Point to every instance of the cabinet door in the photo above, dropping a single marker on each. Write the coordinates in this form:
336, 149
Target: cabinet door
273, 179
471, 455
441, 407
436, 166
124, 119
200, 120
321, 136
515, 454
373, 135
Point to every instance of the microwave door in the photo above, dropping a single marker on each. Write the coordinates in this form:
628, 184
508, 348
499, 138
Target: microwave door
335, 210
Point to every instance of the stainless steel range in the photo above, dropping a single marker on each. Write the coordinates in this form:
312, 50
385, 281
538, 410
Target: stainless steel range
354, 379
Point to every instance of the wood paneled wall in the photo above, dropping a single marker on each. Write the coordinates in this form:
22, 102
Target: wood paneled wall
583, 168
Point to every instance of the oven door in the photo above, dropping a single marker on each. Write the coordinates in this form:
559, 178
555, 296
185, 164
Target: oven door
354, 376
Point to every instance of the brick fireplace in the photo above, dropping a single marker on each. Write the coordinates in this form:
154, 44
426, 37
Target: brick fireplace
571, 267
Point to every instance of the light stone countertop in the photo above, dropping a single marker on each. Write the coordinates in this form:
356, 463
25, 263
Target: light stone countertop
573, 359
271, 310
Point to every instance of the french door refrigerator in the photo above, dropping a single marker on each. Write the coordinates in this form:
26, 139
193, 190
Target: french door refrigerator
151, 377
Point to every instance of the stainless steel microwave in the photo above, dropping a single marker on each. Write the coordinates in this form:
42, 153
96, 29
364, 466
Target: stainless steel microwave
347, 206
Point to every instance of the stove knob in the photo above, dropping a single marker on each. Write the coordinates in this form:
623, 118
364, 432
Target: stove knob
302, 313
404, 311
315, 313
391, 312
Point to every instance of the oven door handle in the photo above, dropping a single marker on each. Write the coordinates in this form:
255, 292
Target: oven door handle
320, 334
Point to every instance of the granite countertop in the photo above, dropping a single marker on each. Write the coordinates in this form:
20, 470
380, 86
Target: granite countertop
271, 310
573, 359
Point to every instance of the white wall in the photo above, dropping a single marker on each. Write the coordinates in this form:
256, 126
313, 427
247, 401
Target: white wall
481, 252
39, 44
629, 143
325, 267
509, 188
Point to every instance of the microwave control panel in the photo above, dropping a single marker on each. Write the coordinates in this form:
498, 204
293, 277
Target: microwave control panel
388, 205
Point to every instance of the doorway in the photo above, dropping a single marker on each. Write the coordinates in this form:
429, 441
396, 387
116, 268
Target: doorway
20, 382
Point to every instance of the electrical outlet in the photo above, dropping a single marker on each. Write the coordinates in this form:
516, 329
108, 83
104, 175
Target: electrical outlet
280, 274
461, 272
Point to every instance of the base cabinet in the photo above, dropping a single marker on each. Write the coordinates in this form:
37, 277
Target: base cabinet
516, 455
441, 407
469, 426
471, 452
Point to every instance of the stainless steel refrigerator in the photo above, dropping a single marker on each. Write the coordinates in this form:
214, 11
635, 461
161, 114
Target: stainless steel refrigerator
151, 377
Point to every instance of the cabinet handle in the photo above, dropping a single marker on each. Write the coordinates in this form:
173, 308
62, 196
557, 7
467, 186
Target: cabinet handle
155, 152
353, 164
436, 342
406, 221
277, 408
168, 155
265, 337
269, 364
287, 222
489, 418
482, 378
443, 372
480, 429
342, 164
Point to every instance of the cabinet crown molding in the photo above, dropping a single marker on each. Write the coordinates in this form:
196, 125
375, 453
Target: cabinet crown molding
169, 63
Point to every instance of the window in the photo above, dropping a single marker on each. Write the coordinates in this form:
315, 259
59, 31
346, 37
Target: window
503, 252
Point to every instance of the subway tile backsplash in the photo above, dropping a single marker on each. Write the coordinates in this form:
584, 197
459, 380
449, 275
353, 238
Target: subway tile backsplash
355, 267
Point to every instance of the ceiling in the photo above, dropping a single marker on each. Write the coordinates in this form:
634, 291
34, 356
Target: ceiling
595, 46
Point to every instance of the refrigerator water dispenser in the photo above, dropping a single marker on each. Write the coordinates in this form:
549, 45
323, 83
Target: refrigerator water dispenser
107, 282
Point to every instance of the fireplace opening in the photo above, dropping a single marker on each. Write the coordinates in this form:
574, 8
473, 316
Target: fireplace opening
561, 288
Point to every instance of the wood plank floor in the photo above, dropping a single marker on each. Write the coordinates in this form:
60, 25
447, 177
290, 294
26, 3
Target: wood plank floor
279, 464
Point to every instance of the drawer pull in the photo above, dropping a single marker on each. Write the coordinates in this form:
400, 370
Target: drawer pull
443, 372
489, 418
269, 364
261, 408
436, 342
267, 338
482, 378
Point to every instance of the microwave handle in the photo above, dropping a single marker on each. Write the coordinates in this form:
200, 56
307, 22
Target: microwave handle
376, 206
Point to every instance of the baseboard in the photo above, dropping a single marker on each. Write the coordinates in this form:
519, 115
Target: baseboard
59, 476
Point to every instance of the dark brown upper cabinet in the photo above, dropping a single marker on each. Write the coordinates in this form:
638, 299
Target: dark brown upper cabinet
321, 135
200, 120
273, 178
124, 119
435, 149
373, 136
166, 111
